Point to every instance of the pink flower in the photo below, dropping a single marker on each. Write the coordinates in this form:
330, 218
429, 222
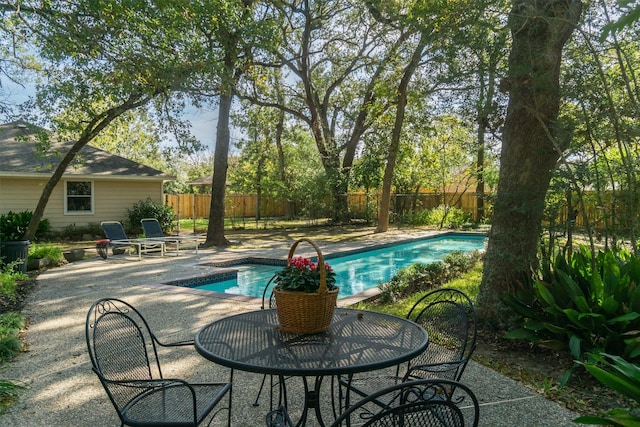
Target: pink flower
302, 274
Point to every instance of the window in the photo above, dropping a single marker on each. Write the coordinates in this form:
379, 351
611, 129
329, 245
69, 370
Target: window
79, 197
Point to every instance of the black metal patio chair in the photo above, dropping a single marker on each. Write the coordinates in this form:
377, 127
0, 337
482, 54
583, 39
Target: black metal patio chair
424, 403
450, 319
268, 302
114, 231
153, 230
124, 356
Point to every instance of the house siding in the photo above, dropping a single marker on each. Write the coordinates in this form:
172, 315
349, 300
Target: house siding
17, 194
111, 200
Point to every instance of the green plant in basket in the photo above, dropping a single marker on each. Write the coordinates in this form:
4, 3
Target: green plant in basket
303, 275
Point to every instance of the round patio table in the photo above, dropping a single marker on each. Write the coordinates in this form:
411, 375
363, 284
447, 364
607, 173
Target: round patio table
357, 341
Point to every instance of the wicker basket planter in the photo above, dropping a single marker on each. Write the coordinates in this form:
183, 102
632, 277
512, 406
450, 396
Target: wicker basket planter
304, 312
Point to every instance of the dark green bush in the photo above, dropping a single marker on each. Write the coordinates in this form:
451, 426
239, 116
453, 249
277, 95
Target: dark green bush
8, 281
589, 304
13, 225
10, 344
448, 217
76, 232
419, 276
414, 217
621, 376
149, 209
8, 392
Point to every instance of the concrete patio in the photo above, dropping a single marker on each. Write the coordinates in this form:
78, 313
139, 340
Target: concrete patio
61, 389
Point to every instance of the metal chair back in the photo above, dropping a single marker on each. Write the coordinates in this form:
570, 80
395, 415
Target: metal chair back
425, 403
124, 356
450, 319
122, 349
151, 228
113, 230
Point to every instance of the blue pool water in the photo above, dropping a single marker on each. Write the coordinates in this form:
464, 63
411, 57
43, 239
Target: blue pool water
356, 272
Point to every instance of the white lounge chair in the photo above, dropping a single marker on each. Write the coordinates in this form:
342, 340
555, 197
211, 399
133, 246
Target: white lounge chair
153, 231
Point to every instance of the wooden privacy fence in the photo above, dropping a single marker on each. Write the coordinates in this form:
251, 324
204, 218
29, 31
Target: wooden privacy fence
362, 206
596, 213
236, 205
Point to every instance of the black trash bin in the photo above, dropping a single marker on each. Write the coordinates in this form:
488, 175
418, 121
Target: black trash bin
15, 251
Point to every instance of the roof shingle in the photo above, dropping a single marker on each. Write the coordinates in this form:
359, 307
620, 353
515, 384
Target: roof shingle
19, 157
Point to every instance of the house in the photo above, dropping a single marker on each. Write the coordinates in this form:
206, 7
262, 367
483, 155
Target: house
97, 186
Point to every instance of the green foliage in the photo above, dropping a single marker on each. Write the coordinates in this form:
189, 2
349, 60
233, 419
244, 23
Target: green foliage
8, 281
469, 283
448, 217
303, 275
10, 344
8, 392
13, 225
149, 209
50, 252
590, 304
630, 15
419, 276
133, 135
621, 376
415, 217
441, 216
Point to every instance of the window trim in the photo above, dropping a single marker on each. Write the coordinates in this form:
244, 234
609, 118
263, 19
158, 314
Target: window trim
66, 198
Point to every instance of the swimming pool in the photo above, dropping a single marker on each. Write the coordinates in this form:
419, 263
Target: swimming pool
355, 271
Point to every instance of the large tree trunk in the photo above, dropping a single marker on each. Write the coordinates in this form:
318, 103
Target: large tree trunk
530, 150
282, 167
215, 230
409, 71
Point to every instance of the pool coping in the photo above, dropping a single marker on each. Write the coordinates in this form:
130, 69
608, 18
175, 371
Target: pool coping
226, 268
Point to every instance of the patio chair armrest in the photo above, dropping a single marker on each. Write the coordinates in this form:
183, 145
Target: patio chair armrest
152, 383
436, 368
149, 384
182, 343
177, 343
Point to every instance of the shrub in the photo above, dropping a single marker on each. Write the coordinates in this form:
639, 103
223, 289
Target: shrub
8, 392
13, 225
149, 209
75, 232
420, 276
590, 304
448, 217
10, 344
51, 253
621, 376
415, 218
8, 281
